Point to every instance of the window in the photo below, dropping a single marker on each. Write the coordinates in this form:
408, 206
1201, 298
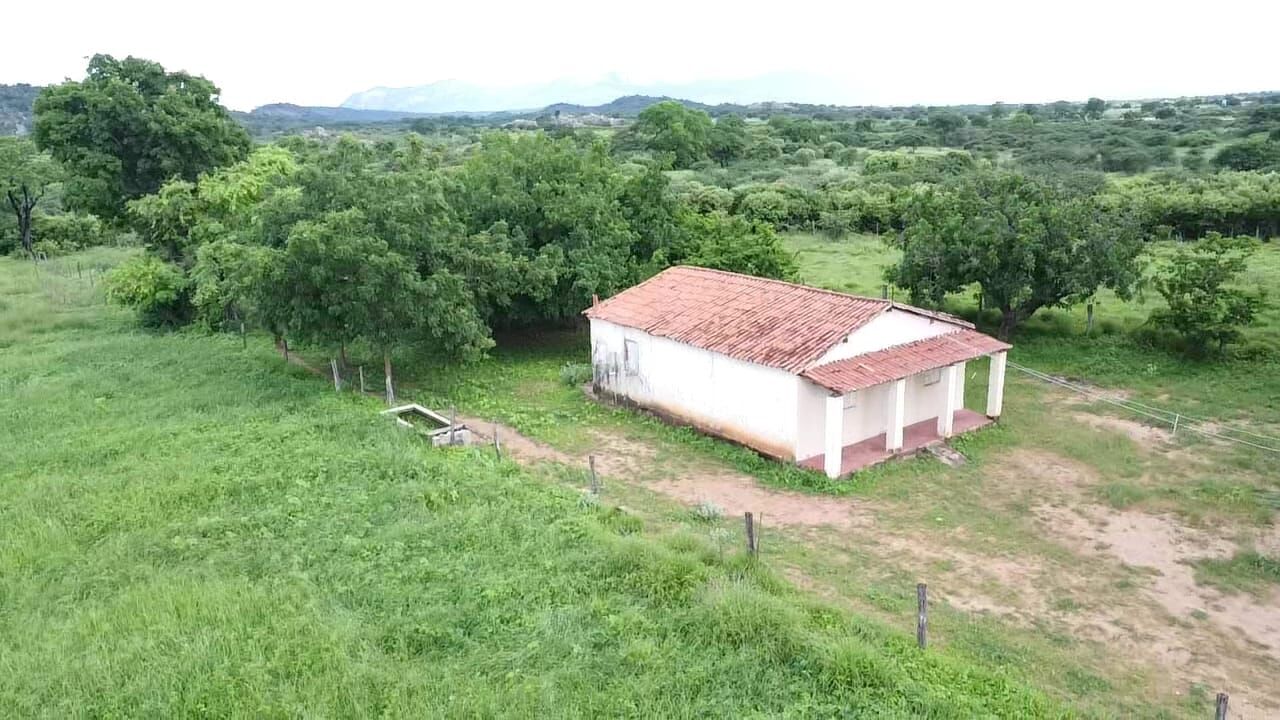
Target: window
851, 400
631, 357
932, 377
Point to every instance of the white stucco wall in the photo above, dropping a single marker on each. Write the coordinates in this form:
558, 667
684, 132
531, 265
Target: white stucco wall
745, 402
892, 327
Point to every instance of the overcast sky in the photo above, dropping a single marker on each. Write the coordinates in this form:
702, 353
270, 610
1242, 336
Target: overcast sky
881, 52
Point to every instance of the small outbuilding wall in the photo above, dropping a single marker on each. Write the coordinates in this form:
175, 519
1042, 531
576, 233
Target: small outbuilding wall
744, 402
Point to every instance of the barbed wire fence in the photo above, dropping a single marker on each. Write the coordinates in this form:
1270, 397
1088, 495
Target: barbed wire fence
1176, 420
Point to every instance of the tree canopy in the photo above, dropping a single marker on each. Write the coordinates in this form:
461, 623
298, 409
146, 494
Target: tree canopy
670, 127
1025, 243
129, 127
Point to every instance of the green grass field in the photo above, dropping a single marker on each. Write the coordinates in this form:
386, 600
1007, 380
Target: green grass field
189, 529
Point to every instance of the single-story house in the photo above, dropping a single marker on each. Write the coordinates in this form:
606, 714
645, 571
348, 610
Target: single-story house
824, 379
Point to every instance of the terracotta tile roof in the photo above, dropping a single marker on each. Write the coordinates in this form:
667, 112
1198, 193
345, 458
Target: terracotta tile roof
769, 322
899, 361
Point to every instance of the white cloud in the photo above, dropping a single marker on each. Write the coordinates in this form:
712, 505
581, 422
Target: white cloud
924, 52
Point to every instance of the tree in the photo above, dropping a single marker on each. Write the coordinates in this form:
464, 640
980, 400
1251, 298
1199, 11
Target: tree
946, 123
1025, 243
25, 177
129, 126
725, 243
1202, 305
1255, 153
728, 139
670, 127
1094, 108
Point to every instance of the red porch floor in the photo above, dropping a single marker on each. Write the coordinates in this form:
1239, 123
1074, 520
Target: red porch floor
866, 453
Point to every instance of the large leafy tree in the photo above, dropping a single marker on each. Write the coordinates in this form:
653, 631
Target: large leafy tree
25, 177
1026, 244
130, 126
1203, 302
670, 127
728, 139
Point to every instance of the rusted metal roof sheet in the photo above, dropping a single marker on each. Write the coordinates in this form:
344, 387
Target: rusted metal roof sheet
769, 322
899, 361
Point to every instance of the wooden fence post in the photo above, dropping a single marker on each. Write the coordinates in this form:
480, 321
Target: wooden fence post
244, 339
337, 379
595, 479
1220, 713
497, 444
453, 424
749, 520
362, 379
922, 615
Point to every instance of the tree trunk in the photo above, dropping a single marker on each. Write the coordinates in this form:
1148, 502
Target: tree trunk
386, 370
342, 355
24, 204
284, 348
1008, 320
24, 228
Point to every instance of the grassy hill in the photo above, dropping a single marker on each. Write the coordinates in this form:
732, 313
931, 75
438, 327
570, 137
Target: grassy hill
192, 528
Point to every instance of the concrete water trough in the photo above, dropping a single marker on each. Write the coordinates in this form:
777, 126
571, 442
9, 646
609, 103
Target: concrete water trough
435, 427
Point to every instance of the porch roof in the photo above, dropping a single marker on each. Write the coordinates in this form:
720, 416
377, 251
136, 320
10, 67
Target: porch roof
899, 361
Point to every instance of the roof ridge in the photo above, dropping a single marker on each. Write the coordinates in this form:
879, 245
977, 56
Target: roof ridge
801, 286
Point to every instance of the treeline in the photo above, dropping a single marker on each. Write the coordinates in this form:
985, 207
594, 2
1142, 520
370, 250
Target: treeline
876, 200
341, 241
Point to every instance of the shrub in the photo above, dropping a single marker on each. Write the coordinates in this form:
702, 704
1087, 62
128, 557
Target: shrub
576, 374
156, 289
1203, 307
708, 511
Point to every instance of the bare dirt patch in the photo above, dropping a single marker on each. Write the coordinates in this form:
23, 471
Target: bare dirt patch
1145, 435
736, 494
1137, 588
1041, 471
1162, 545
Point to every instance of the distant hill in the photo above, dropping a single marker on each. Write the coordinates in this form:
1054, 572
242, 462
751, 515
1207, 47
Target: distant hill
627, 106
457, 95
15, 108
302, 113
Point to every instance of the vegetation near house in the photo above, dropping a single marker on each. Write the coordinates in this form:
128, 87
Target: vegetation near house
1203, 304
1026, 244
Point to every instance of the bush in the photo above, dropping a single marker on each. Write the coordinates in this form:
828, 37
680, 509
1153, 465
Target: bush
804, 156
156, 289
576, 374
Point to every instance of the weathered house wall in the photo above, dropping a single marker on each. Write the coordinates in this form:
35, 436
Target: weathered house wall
748, 403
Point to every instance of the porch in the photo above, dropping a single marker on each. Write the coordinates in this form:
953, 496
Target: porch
872, 451
871, 407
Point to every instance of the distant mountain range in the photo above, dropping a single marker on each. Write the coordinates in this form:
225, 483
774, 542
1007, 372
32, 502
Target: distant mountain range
456, 96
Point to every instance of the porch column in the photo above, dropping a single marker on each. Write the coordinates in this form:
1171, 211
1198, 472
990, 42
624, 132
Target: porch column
897, 415
995, 385
833, 440
947, 418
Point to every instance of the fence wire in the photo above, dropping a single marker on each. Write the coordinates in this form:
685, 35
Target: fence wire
1176, 420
